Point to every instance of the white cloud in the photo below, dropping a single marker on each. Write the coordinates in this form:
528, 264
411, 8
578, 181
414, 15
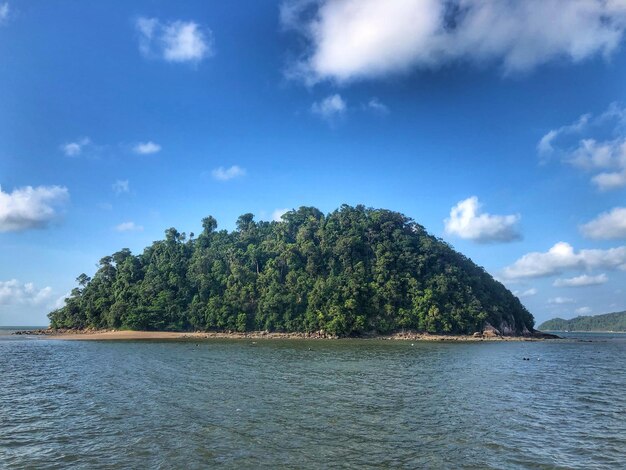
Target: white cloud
581, 281
13, 292
176, 41
590, 151
526, 293
129, 227
607, 225
374, 104
351, 39
561, 300
4, 11
225, 174
562, 257
330, 107
74, 149
467, 221
121, 186
278, 214
146, 148
583, 311
28, 207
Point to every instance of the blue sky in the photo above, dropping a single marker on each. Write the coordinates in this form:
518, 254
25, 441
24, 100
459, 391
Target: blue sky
499, 126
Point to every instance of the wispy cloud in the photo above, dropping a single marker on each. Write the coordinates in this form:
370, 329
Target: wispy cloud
146, 148
225, 174
129, 227
583, 311
121, 186
330, 107
30, 208
375, 105
469, 222
359, 39
562, 257
527, 293
74, 149
608, 225
582, 281
561, 300
4, 12
175, 41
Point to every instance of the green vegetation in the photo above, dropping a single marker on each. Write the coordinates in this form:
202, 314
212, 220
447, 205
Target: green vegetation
607, 322
354, 271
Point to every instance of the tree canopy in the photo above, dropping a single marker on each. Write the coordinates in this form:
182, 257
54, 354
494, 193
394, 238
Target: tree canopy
356, 270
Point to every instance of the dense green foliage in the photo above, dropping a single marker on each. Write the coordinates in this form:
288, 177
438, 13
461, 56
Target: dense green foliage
353, 271
607, 322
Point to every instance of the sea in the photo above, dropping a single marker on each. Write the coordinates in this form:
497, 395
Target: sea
313, 403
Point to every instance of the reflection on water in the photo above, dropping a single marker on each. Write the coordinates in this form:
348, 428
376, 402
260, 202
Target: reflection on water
311, 404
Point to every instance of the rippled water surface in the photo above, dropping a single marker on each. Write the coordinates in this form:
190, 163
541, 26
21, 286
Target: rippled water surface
313, 404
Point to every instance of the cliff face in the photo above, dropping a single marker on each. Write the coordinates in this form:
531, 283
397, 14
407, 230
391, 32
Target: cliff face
352, 271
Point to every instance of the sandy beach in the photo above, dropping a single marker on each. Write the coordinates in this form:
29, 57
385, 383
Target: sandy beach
127, 335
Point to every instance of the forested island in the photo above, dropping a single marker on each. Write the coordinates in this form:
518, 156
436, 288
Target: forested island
352, 272
607, 322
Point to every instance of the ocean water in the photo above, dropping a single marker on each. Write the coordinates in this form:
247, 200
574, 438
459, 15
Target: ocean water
313, 404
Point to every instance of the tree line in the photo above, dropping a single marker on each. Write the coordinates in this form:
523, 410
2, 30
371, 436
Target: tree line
356, 270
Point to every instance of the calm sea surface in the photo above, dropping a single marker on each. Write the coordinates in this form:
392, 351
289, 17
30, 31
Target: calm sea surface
313, 404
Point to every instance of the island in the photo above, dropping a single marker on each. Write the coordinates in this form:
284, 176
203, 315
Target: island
608, 322
356, 271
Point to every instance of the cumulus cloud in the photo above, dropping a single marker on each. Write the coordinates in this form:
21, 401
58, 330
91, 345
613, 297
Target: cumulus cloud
29, 208
583, 311
581, 281
278, 214
13, 292
607, 225
129, 227
584, 145
74, 149
330, 107
121, 186
526, 293
561, 300
562, 257
146, 148
225, 174
467, 221
352, 39
176, 41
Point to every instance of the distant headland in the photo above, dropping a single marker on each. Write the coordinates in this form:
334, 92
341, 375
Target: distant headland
354, 272
615, 322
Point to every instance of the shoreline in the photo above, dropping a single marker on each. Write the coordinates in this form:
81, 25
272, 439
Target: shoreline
132, 335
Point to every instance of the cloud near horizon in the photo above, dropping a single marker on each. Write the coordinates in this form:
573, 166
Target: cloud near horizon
361, 39
14, 292
175, 41
30, 207
562, 257
468, 222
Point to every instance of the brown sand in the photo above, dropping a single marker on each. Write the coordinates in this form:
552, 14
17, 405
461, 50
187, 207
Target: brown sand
114, 335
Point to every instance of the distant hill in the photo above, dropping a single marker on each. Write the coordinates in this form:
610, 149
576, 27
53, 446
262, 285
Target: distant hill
353, 271
607, 322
